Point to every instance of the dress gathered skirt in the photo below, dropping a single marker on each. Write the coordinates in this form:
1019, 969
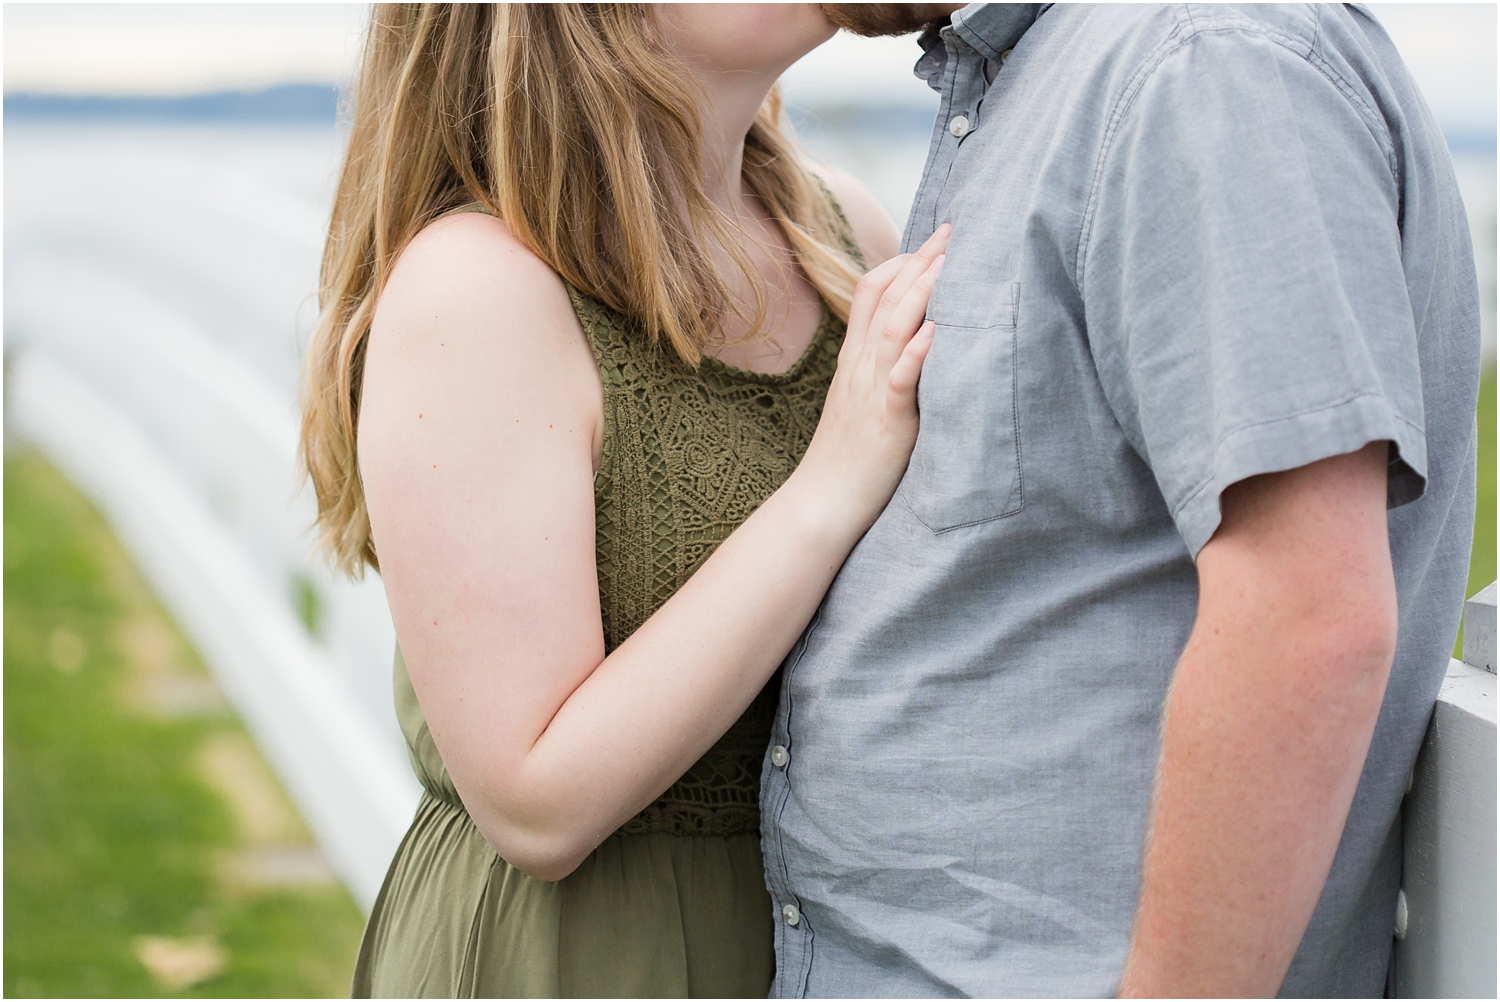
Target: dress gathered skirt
643, 916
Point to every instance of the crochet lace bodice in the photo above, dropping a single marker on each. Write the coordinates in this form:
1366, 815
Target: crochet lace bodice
688, 455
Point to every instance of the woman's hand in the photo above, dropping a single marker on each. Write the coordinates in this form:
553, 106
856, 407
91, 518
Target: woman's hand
869, 424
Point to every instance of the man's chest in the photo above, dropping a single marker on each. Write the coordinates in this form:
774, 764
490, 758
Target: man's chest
1014, 415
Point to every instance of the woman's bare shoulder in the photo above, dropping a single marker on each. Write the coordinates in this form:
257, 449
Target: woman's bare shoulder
470, 315
466, 293
874, 231
469, 263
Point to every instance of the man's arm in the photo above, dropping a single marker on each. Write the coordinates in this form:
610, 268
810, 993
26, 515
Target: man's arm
1266, 728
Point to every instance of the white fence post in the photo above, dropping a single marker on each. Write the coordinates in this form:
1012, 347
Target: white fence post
1448, 883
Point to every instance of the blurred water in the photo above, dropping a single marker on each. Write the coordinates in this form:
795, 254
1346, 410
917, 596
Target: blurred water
1477, 182
225, 223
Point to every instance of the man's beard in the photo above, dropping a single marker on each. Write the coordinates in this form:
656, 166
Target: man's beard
874, 19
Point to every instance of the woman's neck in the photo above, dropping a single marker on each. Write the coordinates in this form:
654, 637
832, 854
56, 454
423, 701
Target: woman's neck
728, 104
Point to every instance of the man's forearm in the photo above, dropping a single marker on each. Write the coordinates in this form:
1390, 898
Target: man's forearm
1264, 737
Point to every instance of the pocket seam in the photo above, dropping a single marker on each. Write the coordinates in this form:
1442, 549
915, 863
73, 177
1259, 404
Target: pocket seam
1007, 324
1015, 417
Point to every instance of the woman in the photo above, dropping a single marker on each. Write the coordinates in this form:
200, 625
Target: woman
582, 306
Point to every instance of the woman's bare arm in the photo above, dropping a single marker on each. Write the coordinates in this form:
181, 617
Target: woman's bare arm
479, 436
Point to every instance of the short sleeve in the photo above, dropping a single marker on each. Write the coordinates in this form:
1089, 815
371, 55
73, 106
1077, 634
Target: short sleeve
1242, 275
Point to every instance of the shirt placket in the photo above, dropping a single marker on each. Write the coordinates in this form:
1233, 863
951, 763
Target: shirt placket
958, 116
793, 933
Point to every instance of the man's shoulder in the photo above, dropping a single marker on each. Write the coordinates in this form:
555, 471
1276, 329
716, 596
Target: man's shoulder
1106, 52
1148, 23
1139, 35
1122, 46
1292, 23
1109, 31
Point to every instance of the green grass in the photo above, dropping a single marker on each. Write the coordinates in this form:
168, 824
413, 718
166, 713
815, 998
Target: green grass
1482, 562
1482, 554
112, 829
309, 607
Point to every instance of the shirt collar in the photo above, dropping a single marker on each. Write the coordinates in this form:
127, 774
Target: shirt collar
990, 28
929, 68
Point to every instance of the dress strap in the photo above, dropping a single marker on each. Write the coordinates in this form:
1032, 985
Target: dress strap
841, 225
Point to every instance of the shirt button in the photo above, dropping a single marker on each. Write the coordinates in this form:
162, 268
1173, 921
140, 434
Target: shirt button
779, 758
959, 126
1005, 56
791, 914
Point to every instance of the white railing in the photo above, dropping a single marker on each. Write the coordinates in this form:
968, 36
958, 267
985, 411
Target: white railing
152, 281
1445, 917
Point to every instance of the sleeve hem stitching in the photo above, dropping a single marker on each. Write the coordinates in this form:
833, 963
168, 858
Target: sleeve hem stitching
1208, 481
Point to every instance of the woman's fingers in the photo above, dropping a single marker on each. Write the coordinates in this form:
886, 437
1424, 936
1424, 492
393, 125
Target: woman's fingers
869, 421
935, 244
908, 368
916, 266
905, 317
884, 286
867, 297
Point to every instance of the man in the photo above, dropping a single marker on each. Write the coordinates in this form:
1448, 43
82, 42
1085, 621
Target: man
1122, 692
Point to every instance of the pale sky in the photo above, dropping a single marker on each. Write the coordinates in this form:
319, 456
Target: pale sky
177, 48
184, 48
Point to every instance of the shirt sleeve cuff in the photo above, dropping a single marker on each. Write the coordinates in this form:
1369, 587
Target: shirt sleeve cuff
1299, 439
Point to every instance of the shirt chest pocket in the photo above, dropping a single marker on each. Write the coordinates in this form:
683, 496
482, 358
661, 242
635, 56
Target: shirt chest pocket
966, 467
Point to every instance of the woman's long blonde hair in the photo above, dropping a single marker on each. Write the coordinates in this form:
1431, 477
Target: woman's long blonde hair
566, 121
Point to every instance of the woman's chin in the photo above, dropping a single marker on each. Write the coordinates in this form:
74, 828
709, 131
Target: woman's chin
751, 37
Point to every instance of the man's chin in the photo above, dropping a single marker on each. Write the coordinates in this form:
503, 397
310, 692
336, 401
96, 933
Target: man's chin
876, 19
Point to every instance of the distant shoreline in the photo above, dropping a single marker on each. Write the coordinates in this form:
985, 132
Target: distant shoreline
319, 103
284, 103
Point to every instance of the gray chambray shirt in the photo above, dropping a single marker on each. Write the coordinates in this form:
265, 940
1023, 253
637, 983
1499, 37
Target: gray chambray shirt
1191, 244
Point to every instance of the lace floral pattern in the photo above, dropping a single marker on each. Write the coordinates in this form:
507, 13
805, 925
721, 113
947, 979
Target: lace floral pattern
688, 455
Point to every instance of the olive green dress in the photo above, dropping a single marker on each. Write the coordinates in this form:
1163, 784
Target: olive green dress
674, 903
